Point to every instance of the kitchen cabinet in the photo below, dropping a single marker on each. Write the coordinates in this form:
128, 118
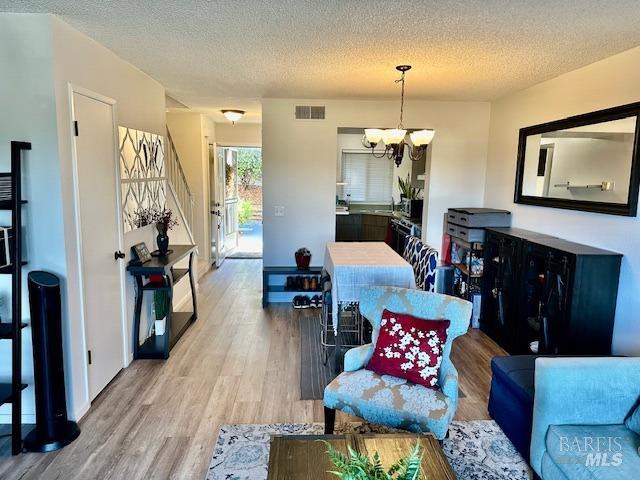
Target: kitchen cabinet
348, 228
374, 228
361, 227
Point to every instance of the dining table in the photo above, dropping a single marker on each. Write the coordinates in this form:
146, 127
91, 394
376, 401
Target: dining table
354, 266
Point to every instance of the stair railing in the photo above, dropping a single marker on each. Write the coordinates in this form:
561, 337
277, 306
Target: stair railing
179, 186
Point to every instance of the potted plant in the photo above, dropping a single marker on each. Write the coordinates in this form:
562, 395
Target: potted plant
359, 467
160, 309
407, 190
411, 196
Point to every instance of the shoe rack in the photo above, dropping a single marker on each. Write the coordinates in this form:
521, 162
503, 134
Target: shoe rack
274, 284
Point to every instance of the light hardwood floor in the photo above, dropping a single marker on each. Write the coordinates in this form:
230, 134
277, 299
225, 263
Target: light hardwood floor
237, 364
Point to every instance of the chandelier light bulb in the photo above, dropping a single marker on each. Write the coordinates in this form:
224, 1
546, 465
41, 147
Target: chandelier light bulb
393, 136
373, 135
421, 137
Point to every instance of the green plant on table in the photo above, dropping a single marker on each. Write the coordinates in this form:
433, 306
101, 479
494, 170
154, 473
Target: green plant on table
407, 190
360, 467
160, 303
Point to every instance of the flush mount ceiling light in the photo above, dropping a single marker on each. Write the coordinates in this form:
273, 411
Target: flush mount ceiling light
395, 139
233, 115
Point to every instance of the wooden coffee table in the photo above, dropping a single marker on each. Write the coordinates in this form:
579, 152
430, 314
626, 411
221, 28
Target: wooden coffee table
303, 457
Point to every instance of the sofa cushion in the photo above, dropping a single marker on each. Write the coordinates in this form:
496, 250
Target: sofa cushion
633, 422
594, 452
409, 347
550, 470
389, 401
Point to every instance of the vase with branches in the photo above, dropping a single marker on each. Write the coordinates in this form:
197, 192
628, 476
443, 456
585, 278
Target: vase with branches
163, 220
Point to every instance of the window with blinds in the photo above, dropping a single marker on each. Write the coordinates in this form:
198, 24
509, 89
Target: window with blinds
368, 179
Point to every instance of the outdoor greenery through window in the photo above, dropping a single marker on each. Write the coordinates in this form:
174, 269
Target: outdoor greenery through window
249, 177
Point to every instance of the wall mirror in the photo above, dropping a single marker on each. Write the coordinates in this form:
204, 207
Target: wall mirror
588, 162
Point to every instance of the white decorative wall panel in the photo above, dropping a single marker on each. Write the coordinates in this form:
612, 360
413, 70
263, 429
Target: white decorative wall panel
142, 173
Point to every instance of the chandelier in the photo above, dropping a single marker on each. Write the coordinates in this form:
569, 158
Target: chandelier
395, 139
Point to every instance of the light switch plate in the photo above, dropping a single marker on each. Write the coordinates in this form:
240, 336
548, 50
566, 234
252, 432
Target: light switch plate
279, 211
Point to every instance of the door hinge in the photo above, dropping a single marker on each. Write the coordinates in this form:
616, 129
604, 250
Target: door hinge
89, 356
75, 127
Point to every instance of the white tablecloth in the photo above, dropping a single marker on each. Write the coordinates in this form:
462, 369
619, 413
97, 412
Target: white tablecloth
355, 265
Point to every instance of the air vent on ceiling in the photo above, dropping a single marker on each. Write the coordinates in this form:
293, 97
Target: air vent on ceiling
309, 112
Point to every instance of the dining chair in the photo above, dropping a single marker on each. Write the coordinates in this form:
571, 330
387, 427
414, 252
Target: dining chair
424, 260
392, 401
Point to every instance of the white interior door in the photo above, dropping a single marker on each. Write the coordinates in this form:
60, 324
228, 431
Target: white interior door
98, 205
217, 183
231, 200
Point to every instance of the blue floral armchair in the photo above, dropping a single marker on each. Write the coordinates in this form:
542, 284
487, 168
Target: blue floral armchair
392, 401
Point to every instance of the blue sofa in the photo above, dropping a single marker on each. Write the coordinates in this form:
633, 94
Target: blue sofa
579, 411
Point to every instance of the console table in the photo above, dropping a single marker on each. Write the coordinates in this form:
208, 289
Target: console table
158, 346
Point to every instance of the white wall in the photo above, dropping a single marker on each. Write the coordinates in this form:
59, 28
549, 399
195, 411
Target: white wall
590, 161
40, 55
28, 114
299, 166
239, 135
81, 61
191, 133
610, 82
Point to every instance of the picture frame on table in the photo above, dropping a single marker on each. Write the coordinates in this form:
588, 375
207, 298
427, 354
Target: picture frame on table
140, 253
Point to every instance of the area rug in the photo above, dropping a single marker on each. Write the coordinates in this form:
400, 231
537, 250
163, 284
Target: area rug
244, 255
314, 374
476, 450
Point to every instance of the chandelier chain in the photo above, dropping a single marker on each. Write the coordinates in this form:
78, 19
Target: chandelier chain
401, 81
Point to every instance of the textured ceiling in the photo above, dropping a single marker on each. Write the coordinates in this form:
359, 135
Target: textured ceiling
229, 54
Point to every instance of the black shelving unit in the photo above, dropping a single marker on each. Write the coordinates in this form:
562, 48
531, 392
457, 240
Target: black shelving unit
11, 200
159, 346
548, 296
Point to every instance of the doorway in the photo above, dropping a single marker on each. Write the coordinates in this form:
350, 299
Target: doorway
100, 235
237, 206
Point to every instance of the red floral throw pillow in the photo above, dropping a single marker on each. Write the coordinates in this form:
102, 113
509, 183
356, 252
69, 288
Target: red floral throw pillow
409, 347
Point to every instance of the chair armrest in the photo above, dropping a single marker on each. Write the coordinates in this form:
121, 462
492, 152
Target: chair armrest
357, 358
581, 391
449, 381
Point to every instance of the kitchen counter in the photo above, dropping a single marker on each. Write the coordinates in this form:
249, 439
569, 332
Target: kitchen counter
379, 213
370, 225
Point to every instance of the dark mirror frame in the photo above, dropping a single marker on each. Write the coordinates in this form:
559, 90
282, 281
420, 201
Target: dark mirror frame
616, 113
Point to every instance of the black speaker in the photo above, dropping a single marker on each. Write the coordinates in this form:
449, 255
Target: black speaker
53, 428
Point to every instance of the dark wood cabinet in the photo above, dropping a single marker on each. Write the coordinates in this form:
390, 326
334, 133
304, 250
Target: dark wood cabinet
348, 228
361, 227
547, 294
374, 228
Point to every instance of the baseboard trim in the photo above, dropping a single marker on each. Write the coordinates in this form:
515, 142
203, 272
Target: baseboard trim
80, 412
185, 299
